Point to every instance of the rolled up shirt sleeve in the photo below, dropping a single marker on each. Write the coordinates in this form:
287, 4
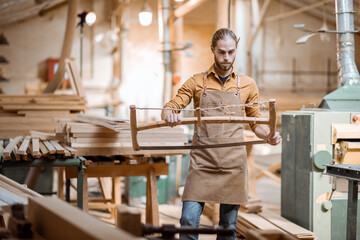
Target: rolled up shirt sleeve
183, 96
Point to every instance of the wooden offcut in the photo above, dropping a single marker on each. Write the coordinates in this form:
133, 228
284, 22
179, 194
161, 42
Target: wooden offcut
53, 218
29, 147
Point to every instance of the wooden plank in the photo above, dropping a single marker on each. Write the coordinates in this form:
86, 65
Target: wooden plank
116, 194
128, 219
70, 149
256, 221
111, 137
42, 135
127, 151
40, 96
270, 169
43, 149
50, 147
42, 107
24, 146
10, 197
35, 146
152, 205
58, 147
119, 170
60, 192
50, 216
283, 223
75, 77
67, 153
46, 113
105, 187
181, 138
16, 187
6, 134
268, 173
30, 126
10, 147
127, 143
23, 120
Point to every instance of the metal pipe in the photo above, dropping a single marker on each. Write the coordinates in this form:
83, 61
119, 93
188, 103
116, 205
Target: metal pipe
164, 16
347, 71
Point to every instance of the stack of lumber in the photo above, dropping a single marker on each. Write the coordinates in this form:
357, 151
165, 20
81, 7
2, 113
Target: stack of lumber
253, 206
114, 124
21, 148
21, 113
268, 220
12, 192
94, 140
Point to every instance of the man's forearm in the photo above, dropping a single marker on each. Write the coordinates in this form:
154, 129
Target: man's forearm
262, 131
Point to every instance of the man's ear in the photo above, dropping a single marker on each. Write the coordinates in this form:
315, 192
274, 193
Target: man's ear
212, 49
237, 42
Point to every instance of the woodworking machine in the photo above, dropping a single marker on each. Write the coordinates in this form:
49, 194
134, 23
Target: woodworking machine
329, 134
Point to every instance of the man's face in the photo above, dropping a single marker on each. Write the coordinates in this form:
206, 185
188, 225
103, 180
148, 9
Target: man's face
224, 53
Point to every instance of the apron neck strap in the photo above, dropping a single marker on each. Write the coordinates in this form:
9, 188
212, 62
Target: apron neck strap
238, 83
205, 81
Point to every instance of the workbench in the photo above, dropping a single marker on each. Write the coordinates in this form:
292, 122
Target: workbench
111, 169
352, 174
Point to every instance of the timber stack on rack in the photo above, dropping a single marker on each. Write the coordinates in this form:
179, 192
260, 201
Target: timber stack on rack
24, 148
21, 113
110, 136
267, 220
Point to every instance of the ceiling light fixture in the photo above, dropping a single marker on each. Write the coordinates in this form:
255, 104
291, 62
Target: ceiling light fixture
145, 14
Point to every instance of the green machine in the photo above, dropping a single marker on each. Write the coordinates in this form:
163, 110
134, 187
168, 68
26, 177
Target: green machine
305, 188
329, 134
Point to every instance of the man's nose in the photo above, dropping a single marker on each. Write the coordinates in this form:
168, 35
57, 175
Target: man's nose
226, 57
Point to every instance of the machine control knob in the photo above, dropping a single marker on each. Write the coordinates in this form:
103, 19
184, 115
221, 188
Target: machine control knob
322, 158
356, 118
326, 205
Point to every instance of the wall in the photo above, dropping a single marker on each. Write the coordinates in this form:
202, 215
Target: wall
279, 48
34, 40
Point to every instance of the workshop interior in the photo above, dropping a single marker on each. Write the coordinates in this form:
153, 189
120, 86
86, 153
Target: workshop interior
85, 152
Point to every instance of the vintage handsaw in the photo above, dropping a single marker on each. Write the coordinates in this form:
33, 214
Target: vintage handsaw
135, 128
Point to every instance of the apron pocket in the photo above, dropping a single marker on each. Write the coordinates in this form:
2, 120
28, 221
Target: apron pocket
208, 157
232, 158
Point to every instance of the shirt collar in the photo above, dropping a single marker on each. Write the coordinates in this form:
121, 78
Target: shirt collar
212, 71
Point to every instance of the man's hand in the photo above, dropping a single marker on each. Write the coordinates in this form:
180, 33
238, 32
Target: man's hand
275, 140
263, 132
172, 119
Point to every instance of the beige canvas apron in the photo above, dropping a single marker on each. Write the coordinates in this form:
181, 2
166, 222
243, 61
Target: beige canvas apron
218, 174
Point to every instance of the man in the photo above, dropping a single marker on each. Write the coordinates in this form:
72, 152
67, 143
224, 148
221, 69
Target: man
218, 175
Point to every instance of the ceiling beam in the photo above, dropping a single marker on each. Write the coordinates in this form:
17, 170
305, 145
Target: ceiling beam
187, 7
296, 11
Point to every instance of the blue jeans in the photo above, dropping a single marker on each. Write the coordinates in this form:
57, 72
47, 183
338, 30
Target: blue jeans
191, 212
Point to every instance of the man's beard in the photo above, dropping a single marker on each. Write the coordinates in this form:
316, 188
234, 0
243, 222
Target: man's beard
224, 67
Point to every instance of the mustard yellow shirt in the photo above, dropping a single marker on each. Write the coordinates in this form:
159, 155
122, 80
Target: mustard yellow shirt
192, 88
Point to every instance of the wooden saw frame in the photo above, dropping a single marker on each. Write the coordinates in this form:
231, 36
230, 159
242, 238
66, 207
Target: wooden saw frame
135, 128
